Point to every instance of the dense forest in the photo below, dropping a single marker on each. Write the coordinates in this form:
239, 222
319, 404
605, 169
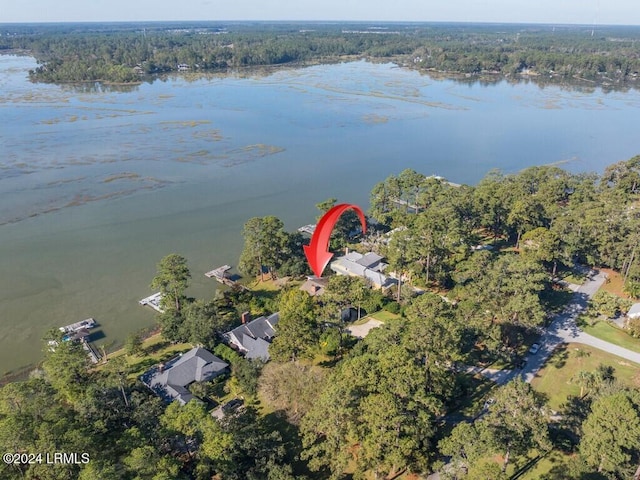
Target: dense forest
124, 53
330, 406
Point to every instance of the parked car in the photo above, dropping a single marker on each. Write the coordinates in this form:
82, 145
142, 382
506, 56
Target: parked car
534, 348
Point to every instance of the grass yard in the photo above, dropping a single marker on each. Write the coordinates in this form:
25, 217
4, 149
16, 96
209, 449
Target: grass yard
266, 285
614, 283
383, 316
554, 379
552, 463
610, 333
572, 276
155, 349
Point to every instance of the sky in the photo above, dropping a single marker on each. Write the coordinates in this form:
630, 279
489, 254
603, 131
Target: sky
600, 12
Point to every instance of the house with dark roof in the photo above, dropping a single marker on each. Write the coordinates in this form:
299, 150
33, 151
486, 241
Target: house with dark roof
170, 380
368, 266
315, 286
227, 408
253, 338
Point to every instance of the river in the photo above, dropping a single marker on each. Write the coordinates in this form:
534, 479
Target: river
97, 183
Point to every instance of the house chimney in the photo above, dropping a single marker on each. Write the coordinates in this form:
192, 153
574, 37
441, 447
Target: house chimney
245, 317
346, 250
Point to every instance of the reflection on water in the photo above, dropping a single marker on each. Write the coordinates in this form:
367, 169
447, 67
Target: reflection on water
98, 182
100, 87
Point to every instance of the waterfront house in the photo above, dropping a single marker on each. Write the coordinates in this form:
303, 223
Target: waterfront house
315, 286
368, 266
253, 338
170, 380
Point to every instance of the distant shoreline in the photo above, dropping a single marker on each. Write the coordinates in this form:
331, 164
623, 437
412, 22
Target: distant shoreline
266, 70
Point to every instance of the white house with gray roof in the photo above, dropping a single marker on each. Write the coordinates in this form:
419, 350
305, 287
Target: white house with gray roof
368, 266
169, 381
253, 338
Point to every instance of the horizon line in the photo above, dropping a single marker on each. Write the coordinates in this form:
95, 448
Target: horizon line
408, 22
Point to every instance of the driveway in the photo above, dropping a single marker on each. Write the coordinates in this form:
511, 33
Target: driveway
564, 329
361, 331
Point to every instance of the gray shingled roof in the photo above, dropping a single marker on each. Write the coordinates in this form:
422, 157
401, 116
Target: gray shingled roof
196, 365
254, 336
369, 260
366, 266
634, 311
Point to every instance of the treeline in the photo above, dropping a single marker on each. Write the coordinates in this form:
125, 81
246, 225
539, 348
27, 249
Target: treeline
494, 251
549, 215
121, 53
120, 430
386, 404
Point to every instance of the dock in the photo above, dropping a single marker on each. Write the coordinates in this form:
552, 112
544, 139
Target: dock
417, 208
153, 301
79, 332
309, 229
221, 274
94, 356
404, 203
75, 327
445, 181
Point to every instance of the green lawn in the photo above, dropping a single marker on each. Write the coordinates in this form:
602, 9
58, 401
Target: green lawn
383, 316
552, 463
155, 349
610, 333
554, 379
267, 285
572, 276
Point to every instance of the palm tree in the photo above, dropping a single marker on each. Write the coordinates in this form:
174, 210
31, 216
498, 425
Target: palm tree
585, 379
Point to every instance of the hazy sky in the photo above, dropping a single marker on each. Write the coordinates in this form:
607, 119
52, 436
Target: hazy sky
521, 11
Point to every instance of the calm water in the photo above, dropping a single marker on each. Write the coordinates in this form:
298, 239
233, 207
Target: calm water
97, 186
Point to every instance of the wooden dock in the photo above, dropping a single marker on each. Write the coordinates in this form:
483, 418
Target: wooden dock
74, 327
79, 332
221, 275
308, 229
92, 351
445, 181
153, 301
404, 203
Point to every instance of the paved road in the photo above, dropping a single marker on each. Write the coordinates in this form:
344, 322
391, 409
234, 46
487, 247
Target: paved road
564, 329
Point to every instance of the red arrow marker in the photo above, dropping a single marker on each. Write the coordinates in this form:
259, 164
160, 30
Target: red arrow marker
317, 252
